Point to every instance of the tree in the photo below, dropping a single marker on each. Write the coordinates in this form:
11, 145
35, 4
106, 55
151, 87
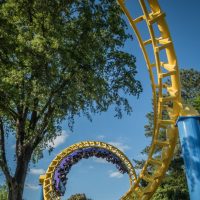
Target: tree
174, 186
58, 59
78, 197
197, 103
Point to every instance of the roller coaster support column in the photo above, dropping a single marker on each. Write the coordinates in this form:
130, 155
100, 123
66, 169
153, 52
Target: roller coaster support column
41, 179
41, 193
189, 132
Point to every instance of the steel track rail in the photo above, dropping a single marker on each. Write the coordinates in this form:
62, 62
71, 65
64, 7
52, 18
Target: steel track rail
48, 190
166, 97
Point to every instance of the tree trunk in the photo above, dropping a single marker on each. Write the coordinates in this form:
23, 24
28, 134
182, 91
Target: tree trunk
15, 192
16, 186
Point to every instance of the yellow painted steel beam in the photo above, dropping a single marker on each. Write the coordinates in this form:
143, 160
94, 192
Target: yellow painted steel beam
47, 179
156, 165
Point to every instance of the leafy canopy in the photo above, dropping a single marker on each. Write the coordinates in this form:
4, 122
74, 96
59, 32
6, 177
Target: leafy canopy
79, 197
59, 59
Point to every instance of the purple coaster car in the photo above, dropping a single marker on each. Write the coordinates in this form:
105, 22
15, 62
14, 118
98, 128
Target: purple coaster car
60, 174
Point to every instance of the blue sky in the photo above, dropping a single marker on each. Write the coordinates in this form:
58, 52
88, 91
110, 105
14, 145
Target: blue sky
100, 180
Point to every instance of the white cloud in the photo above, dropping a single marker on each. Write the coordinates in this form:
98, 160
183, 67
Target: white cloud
120, 146
32, 186
37, 171
115, 174
59, 139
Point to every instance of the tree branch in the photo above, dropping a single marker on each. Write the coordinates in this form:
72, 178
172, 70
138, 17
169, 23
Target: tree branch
50, 109
20, 136
54, 92
38, 138
3, 161
33, 120
9, 110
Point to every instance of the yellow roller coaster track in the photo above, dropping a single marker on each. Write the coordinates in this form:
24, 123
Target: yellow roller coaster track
166, 101
165, 93
47, 181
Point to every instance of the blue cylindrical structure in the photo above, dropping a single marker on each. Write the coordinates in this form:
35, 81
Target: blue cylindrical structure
41, 193
189, 132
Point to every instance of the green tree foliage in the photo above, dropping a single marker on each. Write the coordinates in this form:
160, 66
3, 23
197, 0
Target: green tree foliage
58, 59
174, 186
190, 80
79, 197
3, 192
197, 103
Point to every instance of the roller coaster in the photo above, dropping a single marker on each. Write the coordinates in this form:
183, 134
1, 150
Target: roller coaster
167, 105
